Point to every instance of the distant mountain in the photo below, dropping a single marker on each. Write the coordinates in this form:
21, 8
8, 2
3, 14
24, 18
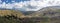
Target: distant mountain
50, 11
28, 12
17, 9
5, 9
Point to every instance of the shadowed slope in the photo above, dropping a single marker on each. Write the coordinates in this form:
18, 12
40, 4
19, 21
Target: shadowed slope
48, 11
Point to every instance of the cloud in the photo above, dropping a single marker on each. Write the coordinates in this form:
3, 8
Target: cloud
32, 5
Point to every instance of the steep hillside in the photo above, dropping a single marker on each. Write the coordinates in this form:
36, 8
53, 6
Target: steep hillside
10, 13
49, 14
48, 11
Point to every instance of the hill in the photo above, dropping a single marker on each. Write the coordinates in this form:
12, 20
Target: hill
10, 13
49, 14
47, 11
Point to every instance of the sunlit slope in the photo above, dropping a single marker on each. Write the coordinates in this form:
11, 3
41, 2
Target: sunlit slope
10, 13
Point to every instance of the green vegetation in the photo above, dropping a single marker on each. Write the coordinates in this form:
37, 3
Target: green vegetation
5, 20
45, 19
13, 19
11, 16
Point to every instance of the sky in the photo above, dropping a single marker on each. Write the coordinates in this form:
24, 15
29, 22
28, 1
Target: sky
28, 5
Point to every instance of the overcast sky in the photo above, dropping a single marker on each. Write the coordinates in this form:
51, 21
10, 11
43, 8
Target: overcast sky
28, 5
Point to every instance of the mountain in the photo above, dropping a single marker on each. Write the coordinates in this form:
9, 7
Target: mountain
49, 14
50, 11
28, 12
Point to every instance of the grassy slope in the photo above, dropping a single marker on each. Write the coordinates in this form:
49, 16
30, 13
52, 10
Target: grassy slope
9, 12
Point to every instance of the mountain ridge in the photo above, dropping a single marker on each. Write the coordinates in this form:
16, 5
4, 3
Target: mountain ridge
47, 11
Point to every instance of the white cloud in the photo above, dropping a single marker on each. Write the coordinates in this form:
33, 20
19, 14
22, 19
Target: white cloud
38, 4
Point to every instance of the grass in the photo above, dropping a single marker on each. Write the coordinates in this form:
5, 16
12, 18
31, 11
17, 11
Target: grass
30, 20
45, 19
9, 12
6, 20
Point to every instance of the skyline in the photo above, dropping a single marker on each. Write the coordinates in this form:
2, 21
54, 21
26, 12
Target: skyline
28, 5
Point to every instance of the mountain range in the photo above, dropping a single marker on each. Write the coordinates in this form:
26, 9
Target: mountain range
50, 11
50, 14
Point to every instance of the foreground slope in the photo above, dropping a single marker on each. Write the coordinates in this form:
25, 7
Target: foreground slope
10, 13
